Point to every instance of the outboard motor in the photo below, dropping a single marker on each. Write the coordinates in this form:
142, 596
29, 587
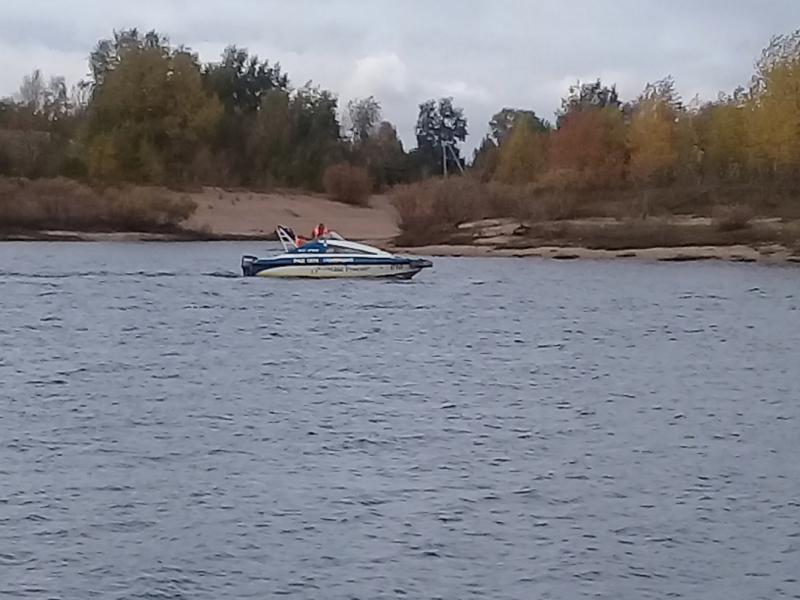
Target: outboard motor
247, 265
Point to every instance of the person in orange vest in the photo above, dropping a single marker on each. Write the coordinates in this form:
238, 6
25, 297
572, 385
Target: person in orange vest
319, 230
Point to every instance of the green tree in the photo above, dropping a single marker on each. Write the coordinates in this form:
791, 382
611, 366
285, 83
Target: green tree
502, 124
107, 53
241, 81
315, 134
383, 155
296, 135
486, 159
588, 96
364, 116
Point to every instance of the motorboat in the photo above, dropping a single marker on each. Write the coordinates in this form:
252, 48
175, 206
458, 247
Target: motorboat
330, 255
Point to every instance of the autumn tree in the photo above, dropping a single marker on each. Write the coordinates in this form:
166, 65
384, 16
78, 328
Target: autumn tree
522, 155
652, 135
149, 112
773, 106
589, 140
440, 126
583, 97
721, 131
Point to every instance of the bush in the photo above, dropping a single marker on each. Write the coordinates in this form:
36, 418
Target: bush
147, 209
52, 204
441, 204
348, 184
733, 218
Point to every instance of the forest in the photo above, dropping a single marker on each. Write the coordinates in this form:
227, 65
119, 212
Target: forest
153, 114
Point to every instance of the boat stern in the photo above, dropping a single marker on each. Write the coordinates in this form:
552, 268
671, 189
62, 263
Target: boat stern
248, 265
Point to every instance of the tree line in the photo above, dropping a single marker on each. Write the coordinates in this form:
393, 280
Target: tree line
153, 113
656, 140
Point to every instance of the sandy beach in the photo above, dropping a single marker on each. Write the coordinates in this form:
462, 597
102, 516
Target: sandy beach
251, 214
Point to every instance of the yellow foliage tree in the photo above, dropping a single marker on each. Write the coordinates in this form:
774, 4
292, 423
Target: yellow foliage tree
522, 158
773, 105
727, 143
652, 136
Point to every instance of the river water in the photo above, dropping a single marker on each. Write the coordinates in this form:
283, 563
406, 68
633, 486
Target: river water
494, 428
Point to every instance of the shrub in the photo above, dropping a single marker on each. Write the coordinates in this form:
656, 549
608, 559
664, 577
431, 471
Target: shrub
733, 218
440, 204
348, 184
50, 204
147, 209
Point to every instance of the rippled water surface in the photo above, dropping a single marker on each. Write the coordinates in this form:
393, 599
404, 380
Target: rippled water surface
495, 428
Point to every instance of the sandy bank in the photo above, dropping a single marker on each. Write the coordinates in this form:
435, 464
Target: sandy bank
773, 254
564, 240
231, 214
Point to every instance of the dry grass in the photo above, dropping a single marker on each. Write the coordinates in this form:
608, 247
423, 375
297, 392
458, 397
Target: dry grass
437, 206
348, 184
431, 211
632, 234
434, 208
733, 218
63, 204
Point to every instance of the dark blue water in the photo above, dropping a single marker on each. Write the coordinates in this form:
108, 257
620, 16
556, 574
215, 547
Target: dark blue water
495, 428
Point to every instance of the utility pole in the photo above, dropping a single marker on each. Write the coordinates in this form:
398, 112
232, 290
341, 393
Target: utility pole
445, 147
456, 159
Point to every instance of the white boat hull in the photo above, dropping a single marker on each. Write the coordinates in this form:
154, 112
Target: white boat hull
334, 271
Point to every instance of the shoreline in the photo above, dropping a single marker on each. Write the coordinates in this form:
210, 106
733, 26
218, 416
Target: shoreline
770, 253
244, 216
133, 236
738, 253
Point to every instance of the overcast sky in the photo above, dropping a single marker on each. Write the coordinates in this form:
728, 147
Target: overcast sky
487, 54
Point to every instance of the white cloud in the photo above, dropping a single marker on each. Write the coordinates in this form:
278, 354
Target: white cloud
377, 75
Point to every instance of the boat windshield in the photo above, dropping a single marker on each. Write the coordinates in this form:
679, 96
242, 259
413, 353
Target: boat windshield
336, 249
